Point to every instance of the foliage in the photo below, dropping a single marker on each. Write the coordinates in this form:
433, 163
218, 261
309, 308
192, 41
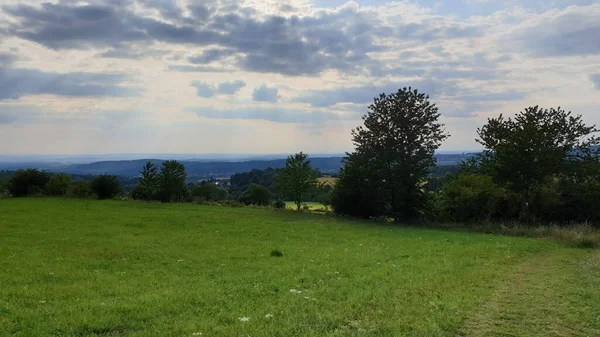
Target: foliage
58, 184
394, 151
241, 181
106, 186
256, 195
537, 144
148, 183
470, 197
28, 182
297, 179
80, 189
4, 186
276, 253
279, 204
172, 181
210, 192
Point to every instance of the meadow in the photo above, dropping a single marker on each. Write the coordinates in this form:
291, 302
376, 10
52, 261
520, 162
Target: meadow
74, 267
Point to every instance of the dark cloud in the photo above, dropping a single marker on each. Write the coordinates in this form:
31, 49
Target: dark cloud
6, 59
230, 88
204, 90
574, 32
211, 55
280, 115
595, 79
263, 93
17, 82
294, 45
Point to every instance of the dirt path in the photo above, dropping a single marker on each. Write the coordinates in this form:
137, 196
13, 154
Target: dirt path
551, 294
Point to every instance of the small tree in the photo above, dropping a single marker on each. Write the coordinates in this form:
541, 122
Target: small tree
297, 179
28, 182
58, 184
106, 186
172, 181
256, 195
394, 151
80, 189
210, 192
148, 180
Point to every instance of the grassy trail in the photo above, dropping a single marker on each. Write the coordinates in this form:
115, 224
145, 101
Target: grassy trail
550, 294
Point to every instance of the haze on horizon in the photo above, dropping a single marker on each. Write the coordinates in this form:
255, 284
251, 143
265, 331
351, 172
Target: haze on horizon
270, 76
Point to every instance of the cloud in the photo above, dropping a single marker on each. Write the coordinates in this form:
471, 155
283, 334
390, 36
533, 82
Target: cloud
133, 53
340, 39
6, 59
197, 69
230, 88
207, 90
263, 93
210, 55
277, 114
18, 82
595, 79
574, 31
204, 90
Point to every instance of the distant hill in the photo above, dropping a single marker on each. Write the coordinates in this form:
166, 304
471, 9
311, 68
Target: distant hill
198, 169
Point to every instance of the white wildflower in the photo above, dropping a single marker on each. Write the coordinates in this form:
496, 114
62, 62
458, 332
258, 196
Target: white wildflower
42, 302
244, 319
268, 316
306, 297
293, 291
197, 334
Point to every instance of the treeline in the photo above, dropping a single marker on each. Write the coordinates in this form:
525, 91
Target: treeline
540, 166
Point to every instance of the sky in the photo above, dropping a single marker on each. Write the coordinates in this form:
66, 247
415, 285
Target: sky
273, 76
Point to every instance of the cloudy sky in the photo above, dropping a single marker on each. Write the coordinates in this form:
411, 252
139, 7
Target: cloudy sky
275, 76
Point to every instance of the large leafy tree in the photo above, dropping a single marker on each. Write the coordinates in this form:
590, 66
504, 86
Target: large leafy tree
28, 182
537, 144
394, 150
106, 186
148, 181
297, 180
58, 184
172, 181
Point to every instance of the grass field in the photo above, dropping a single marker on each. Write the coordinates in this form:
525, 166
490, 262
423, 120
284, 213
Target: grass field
313, 206
109, 268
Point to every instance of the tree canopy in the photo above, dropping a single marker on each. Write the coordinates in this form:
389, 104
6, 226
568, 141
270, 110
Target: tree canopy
297, 179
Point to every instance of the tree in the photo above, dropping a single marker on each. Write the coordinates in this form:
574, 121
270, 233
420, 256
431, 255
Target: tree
394, 151
256, 195
80, 189
210, 192
172, 181
148, 182
58, 184
297, 179
28, 182
538, 144
106, 186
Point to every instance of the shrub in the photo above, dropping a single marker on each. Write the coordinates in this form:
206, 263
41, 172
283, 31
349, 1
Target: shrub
231, 203
58, 184
256, 195
276, 253
28, 182
106, 186
210, 192
279, 204
80, 189
470, 197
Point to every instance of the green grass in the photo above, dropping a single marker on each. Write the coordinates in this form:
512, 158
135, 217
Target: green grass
313, 206
108, 268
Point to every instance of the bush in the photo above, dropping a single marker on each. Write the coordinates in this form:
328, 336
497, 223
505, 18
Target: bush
279, 204
470, 197
28, 182
276, 253
80, 189
355, 195
58, 185
231, 203
106, 186
210, 192
256, 195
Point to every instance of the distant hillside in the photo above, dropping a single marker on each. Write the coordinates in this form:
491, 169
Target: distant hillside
201, 169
